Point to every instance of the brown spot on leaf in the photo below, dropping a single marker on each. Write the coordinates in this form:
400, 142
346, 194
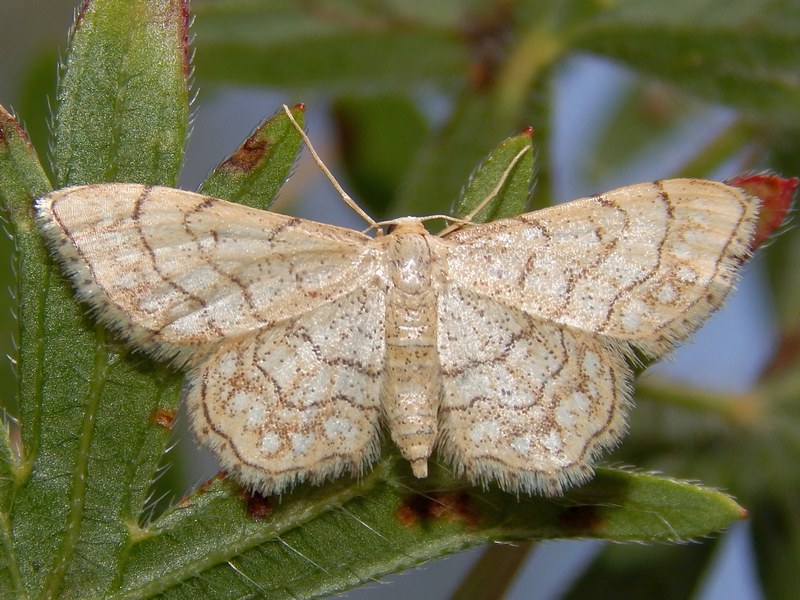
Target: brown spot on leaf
10, 127
186, 18
581, 518
163, 417
247, 157
421, 509
80, 14
257, 506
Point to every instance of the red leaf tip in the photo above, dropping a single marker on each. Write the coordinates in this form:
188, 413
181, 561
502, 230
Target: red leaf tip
776, 194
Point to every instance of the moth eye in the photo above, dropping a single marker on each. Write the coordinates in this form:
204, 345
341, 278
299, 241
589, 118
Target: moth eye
391, 227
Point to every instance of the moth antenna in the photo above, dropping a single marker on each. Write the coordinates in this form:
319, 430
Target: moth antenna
345, 196
380, 224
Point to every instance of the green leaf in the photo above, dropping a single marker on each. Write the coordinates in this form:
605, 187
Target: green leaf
740, 53
447, 159
326, 539
87, 433
256, 171
506, 176
745, 442
123, 100
22, 179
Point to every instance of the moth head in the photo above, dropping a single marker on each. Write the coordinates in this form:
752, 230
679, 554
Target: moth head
404, 225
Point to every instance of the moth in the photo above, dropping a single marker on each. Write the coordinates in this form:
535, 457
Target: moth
502, 346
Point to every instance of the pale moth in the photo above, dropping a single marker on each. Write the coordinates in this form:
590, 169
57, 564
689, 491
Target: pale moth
503, 346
